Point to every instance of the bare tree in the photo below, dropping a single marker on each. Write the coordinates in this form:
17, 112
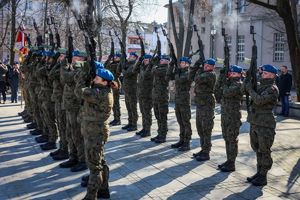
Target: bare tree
287, 10
183, 35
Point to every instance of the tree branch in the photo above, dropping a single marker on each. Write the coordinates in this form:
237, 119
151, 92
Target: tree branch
3, 3
266, 5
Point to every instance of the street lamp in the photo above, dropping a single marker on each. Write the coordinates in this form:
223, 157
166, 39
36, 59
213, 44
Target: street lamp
213, 33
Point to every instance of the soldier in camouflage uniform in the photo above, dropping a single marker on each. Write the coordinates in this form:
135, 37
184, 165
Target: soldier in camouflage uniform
72, 105
60, 113
130, 90
231, 97
182, 101
48, 107
98, 102
160, 98
262, 122
145, 81
113, 67
205, 79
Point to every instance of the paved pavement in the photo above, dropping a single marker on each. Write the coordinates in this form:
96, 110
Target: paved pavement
143, 170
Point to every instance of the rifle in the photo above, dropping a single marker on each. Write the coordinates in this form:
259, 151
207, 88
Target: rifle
90, 45
39, 38
172, 51
57, 37
226, 50
251, 73
51, 38
142, 43
70, 47
158, 46
200, 45
123, 51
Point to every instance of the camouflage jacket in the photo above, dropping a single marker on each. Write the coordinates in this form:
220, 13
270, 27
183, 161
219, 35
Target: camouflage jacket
54, 76
46, 85
114, 68
145, 79
129, 76
232, 94
182, 84
160, 92
263, 102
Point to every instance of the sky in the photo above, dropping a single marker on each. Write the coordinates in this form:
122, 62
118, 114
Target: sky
152, 13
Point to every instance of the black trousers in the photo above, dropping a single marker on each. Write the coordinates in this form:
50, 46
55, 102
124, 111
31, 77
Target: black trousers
3, 90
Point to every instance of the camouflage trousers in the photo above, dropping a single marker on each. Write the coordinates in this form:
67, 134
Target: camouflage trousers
183, 116
116, 106
230, 123
35, 107
60, 116
161, 110
205, 122
131, 106
48, 109
261, 139
74, 137
94, 140
27, 98
146, 110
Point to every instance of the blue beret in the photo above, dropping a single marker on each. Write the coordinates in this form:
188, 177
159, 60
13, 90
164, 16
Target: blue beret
235, 68
79, 53
185, 59
210, 61
134, 54
99, 65
270, 68
105, 74
50, 54
147, 56
165, 57
118, 55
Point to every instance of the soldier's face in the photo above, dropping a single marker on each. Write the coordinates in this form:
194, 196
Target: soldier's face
61, 57
100, 81
146, 61
234, 75
132, 58
267, 75
164, 62
208, 67
117, 59
184, 64
77, 58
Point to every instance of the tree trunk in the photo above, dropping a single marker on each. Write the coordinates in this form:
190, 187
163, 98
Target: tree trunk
124, 34
13, 31
100, 47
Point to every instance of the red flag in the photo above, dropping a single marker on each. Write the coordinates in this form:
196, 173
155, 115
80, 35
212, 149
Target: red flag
20, 40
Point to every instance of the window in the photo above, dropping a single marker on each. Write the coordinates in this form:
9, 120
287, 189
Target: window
203, 20
278, 47
202, 29
242, 6
241, 48
229, 7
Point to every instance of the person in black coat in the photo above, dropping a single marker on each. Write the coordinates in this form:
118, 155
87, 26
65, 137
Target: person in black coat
13, 76
3, 71
285, 85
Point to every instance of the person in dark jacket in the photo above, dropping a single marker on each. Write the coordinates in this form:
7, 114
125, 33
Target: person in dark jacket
285, 85
3, 71
13, 76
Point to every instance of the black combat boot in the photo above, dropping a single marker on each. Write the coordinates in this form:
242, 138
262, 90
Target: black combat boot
250, 179
85, 181
80, 166
103, 194
36, 132
154, 138
31, 125
160, 139
22, 113
177, 144
68, 164
126, 126
228, 167
62, 155
260, 180
132, 128
203, 156
220, 166
28, 119
185, 147
54, 153
115, 122
48, 146
41, 139
146, 134
140, 132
